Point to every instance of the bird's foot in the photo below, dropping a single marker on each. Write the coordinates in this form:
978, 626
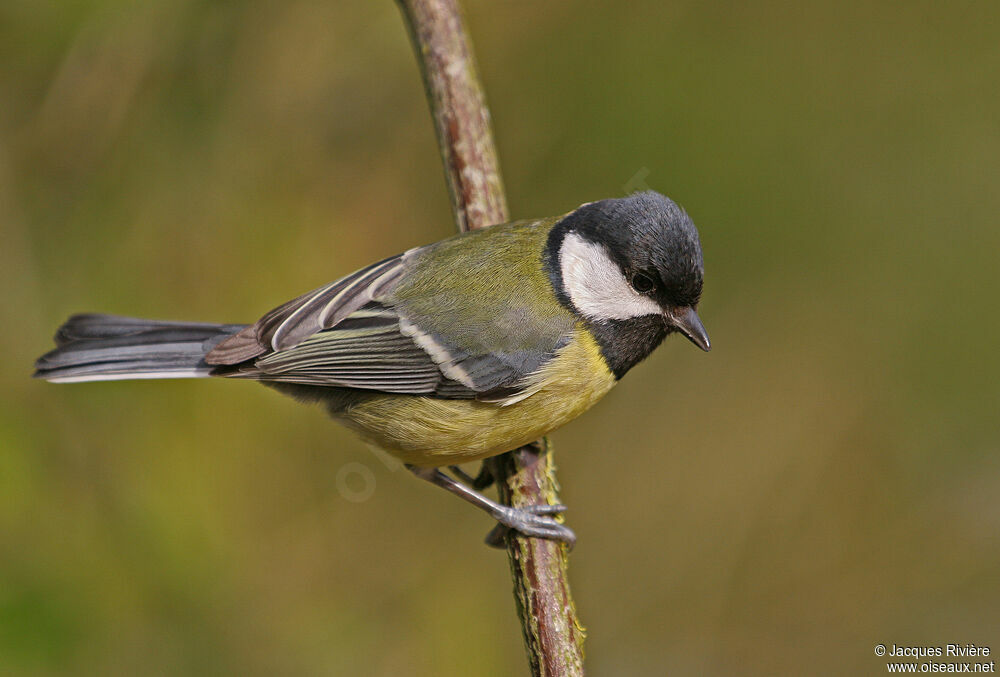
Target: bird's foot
532, 520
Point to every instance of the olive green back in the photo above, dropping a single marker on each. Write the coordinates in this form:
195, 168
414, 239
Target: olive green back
488, 296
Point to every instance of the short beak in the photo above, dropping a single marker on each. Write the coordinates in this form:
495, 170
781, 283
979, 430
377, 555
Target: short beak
690, 325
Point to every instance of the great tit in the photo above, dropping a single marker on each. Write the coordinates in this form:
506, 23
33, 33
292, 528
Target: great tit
451, 352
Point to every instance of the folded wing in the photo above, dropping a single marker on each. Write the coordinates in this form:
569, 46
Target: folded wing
352, 333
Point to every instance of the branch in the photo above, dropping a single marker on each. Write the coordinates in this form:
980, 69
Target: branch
458, 106
552, 632
553, 635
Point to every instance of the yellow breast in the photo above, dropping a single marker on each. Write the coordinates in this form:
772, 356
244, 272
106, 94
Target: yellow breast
429, 431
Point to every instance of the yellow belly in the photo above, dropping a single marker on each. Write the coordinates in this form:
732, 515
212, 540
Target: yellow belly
433, 432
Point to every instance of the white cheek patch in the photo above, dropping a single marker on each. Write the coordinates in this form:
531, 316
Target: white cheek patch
595, 284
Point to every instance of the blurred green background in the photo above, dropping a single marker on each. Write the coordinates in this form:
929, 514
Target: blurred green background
826, 479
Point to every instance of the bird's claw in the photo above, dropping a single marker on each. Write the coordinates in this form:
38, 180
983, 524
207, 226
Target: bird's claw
532, 520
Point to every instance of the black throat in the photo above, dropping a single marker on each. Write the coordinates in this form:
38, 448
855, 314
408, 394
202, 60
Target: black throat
626, 343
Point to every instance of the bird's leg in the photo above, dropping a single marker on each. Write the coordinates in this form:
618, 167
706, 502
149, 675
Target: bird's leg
463, 476
535, 520
483, 480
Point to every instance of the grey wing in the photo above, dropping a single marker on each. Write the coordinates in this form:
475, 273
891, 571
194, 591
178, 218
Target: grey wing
375, 348
341, 335
288, 325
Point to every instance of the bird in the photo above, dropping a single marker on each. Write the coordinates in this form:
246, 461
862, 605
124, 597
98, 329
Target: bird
451, 352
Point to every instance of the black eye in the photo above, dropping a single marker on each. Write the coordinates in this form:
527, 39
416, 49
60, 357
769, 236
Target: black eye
642, 283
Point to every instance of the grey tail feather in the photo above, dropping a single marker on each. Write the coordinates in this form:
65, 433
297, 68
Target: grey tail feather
96, 347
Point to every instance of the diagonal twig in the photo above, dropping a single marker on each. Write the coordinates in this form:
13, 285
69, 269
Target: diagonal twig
553, 635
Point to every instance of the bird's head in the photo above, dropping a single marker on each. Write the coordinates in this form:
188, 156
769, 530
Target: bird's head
631, 267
